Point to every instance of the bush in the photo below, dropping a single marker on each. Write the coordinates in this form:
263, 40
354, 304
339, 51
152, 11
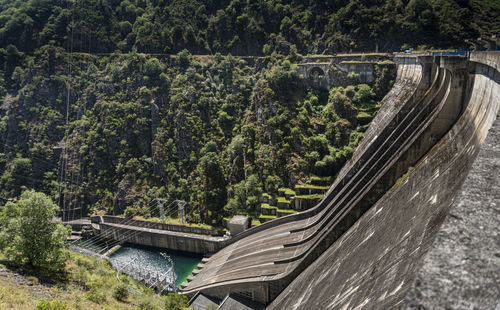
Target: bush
121, 292
95, 294
153, 67
284, 78
147, 303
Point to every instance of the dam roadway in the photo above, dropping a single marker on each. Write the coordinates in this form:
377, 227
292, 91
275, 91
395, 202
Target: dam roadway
362, 244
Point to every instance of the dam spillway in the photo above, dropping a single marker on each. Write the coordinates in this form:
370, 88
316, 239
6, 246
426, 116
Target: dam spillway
362, 244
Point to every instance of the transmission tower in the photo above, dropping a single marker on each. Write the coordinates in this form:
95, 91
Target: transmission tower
182, 216
161, 204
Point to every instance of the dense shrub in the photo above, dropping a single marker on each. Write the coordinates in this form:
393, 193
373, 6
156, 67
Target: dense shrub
120, 292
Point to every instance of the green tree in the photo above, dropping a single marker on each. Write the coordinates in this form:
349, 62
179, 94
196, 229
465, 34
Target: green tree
253, 191
28, 235
284, 78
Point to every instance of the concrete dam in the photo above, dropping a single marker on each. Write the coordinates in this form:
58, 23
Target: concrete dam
361, 246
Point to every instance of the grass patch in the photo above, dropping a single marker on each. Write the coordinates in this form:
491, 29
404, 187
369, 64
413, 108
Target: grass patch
320, 179
255, 222
309, 186
175, 221
289, 211
286, 191
265, 217
312, 196
267, 206
283, 200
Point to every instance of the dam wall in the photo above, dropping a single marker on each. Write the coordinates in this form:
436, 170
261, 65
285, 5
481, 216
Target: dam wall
262, 261
362, 244
373, 264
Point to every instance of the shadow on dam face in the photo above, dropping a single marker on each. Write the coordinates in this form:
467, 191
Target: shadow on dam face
363, 243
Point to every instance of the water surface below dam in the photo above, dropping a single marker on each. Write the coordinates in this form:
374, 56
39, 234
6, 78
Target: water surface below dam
151, 258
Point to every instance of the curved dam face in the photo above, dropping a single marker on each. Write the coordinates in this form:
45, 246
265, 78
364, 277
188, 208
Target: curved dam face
362, 244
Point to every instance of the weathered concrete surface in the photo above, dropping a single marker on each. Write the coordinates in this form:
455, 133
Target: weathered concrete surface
238, 224
365, 70
462, 270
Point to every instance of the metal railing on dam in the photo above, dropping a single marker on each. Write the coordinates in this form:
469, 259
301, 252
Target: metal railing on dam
361, 245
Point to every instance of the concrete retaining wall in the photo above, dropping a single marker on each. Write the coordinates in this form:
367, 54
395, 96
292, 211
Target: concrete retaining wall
160, 226
161, 235
162, 239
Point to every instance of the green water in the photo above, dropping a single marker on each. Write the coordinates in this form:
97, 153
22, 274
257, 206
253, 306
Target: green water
151, 258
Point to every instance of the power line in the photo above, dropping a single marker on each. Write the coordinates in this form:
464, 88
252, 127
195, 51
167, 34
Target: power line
130, 234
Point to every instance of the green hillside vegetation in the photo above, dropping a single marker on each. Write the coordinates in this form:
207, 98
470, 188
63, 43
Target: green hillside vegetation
244, 27
216, 132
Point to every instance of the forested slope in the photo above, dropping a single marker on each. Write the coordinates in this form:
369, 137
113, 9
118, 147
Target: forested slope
214, 131
244, 27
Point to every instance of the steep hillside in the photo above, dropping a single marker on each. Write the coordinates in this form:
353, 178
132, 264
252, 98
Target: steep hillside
214, 131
